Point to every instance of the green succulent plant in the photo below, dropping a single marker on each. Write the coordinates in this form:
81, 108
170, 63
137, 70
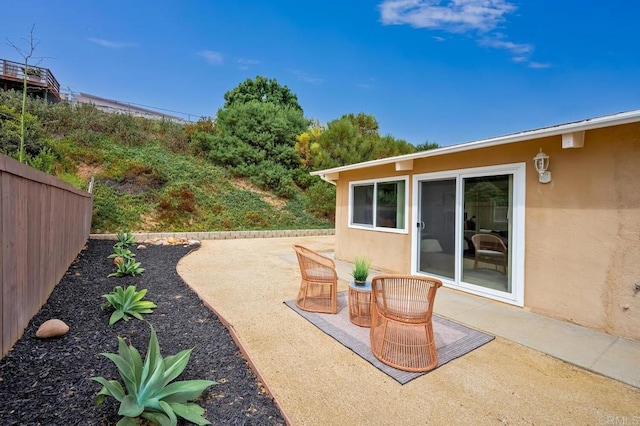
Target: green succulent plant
125, 239
147, 391
361, 269
127, 302
127, 267
122, 252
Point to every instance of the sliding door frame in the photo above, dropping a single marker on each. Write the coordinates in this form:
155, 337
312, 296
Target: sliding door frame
517, 239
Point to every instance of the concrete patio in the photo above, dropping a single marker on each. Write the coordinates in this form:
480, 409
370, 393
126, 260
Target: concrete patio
537, 370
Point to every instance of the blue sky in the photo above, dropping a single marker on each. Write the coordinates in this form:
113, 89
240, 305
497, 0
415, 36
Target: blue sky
448, 71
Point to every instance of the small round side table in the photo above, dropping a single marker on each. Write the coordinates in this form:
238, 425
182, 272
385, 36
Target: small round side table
360, 304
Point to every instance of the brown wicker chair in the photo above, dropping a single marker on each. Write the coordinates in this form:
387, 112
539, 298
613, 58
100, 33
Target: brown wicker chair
401, 329
490, 249
319, 284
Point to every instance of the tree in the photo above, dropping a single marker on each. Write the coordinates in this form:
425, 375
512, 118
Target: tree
322, 200
26, 54
342, 143
427, 146
257, 139
262, 90
354, 139
308, 146
367, 125
255, 134
388, 146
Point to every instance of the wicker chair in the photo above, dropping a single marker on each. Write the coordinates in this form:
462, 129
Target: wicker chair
490, 249
401, 329
319, 284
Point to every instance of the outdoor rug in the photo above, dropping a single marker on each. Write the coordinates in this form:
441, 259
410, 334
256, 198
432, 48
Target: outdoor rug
452, 339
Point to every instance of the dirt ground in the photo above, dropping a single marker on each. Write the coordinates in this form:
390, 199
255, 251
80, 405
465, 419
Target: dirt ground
317, 381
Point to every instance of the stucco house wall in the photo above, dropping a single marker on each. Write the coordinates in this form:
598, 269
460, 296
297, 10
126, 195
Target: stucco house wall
582, 230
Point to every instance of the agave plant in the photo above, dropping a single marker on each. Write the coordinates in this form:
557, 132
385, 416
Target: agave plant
127, 267
127, 302
125, 239
147, 392
120, 254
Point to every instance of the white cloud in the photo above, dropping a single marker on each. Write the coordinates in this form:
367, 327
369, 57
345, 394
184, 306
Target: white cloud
539, 65
519, 50
367, 85
214, 58
110, 44
481, 17
448, 15
306, 77
244, 63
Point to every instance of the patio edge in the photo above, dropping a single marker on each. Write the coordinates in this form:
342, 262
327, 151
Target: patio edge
240, 345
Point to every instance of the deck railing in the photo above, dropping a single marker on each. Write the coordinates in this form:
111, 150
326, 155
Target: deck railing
44, 223
38, 76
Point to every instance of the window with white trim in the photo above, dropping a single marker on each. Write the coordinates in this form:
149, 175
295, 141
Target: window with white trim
379, 204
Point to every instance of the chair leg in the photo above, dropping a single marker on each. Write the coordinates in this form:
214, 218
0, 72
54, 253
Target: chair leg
302, 296
431, 346
334, 298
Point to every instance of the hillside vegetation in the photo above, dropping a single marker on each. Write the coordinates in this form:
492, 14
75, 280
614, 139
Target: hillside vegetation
247, 169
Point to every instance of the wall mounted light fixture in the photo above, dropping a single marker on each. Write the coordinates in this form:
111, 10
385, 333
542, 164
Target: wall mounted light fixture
541, 162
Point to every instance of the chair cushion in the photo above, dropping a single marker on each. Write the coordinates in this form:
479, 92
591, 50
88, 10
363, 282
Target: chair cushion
490, 252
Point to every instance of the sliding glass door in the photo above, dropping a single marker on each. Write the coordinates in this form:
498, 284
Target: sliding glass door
470, 226
436, 251
486, 256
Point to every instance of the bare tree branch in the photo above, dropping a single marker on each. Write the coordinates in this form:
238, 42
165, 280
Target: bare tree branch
26, 55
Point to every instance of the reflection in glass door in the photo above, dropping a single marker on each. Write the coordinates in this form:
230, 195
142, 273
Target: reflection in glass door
486, 257
437, 216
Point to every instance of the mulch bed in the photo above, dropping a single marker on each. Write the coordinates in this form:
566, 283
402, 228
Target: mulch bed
47, 382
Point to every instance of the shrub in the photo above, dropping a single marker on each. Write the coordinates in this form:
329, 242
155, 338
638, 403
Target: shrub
274, 177
148, 392
177, 205
85, 137
126, 129
88, 117
10, 132
44, 161
201, 143
203, 125
303, 179
322, 200
112, 210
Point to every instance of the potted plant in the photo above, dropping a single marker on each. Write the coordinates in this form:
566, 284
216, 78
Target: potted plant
33, 73
361, 270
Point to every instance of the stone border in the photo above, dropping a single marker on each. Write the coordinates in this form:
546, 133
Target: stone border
219, 235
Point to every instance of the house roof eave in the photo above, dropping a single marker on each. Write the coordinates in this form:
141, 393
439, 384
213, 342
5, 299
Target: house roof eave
330, 175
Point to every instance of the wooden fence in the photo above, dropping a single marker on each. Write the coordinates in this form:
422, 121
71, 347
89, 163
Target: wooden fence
44, 223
